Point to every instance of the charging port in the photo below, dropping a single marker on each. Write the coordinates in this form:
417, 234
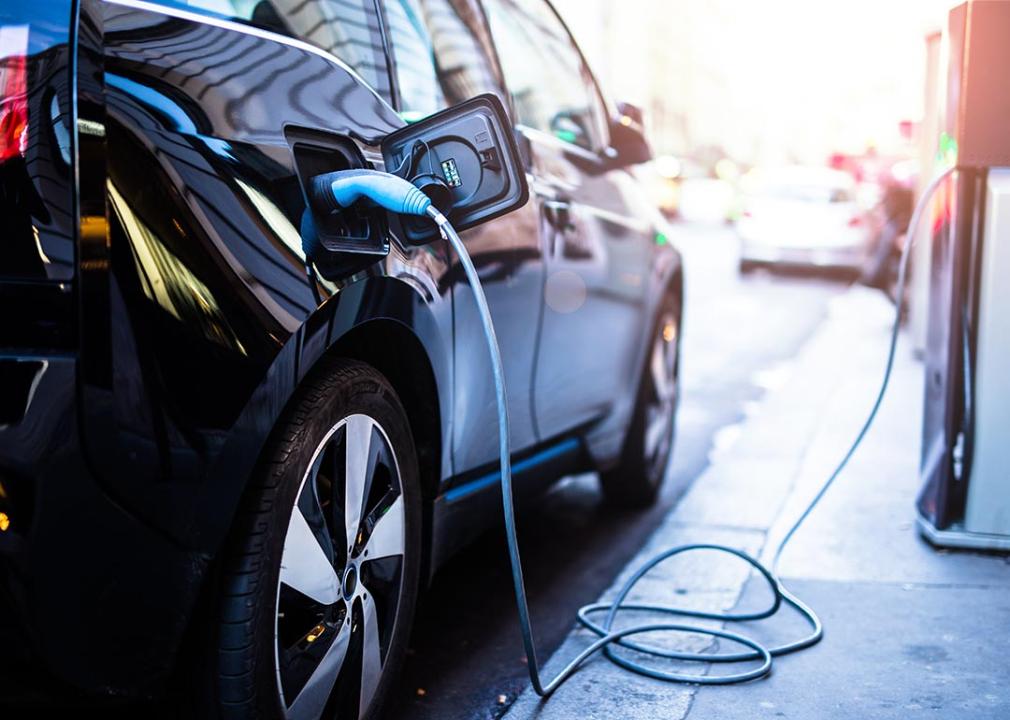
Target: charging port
339, 243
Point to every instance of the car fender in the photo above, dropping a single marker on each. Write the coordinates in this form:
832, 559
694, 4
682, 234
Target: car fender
374, 299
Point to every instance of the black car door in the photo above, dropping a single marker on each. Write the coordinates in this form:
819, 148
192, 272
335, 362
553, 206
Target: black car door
442, 55
597, 230
192, 121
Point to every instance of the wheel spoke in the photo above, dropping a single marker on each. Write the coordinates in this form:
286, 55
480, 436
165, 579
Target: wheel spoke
371, 658
305, 565
336, 469
656, 425
311, 701
357, 473
671, 364
660, 374
310, 503
387, 537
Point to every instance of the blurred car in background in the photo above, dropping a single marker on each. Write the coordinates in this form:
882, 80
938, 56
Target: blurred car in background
801, 217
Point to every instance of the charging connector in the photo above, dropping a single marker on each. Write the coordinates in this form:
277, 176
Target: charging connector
341, 189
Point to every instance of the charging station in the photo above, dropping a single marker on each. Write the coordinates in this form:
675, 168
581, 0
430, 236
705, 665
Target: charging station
965, 466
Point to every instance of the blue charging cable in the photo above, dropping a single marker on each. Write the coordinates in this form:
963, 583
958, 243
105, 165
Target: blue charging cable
342, 189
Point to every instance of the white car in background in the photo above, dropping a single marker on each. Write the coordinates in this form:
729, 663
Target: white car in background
801, 217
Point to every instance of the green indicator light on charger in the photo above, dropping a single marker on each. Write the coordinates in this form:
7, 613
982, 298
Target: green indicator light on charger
451, 173
661, 239
947, 149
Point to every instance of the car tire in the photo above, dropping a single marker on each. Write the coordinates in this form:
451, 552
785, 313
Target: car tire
315, 603
636, 481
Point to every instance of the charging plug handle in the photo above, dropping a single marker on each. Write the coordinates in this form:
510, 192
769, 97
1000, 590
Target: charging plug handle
341, 189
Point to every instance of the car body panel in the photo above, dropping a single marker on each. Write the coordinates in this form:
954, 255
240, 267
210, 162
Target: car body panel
508, 255
598, 276
206, 280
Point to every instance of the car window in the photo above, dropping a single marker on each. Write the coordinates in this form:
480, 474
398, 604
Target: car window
441, 54
347, 29
552, 90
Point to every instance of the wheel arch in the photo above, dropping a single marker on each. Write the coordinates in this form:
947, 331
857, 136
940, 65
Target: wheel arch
382, 321
398, 354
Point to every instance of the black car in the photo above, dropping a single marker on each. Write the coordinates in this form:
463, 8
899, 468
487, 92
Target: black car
238, 436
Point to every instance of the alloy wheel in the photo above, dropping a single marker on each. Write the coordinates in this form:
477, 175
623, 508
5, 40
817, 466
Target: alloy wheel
341, 575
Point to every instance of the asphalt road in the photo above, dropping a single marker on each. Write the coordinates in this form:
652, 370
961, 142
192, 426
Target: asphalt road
466, 660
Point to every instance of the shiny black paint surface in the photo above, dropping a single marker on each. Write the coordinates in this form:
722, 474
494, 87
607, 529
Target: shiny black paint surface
190, 321
207, 270
36, 192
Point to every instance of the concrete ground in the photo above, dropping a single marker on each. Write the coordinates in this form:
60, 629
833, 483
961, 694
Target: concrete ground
910, 631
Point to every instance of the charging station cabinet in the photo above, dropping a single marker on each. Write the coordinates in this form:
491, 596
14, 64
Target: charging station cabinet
965, 468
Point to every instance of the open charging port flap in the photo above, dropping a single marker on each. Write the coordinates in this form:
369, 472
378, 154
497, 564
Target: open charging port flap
465, 159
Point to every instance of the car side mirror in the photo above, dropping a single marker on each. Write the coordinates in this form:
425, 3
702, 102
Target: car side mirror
464, 158
628, 145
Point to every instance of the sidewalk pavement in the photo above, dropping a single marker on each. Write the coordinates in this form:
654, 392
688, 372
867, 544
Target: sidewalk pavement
910, 631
